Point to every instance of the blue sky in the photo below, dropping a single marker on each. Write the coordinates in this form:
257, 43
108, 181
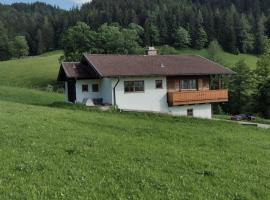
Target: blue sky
66, 4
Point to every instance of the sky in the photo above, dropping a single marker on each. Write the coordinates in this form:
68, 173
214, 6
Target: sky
65, 4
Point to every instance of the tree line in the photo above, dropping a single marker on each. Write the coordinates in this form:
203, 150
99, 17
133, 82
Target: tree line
240, 26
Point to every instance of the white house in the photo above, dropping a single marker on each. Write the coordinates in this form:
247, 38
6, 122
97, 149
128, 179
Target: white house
178, 85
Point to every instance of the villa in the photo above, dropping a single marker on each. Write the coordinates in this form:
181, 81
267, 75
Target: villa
177, 85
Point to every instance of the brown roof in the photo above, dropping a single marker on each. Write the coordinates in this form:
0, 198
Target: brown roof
134, 65
76, 70
95, 66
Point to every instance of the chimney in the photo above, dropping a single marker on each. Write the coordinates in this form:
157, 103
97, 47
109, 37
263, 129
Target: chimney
151, 51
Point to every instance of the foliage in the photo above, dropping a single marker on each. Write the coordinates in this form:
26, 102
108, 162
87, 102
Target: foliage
214, 51
262, 71
20, 47
5, 53
263, 98
240, 86
201, 39
77, 40
182, 38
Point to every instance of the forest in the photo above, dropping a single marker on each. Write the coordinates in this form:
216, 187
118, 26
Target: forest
127, 26
240, 26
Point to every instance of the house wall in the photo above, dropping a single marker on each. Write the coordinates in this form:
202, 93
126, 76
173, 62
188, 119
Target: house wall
152, 99
90, 94
106, 90
200, 110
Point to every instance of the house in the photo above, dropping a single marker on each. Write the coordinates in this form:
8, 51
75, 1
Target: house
179, 85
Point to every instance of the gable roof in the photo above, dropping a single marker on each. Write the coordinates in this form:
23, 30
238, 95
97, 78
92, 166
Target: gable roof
94, 66
165, 65
76, 70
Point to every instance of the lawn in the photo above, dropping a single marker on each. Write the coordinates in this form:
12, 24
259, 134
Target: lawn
229, 59
55, 153
31, 72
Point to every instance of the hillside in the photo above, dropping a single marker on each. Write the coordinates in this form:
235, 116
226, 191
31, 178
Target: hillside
39, 71
32, 72
58, 153
53, 150
228, 59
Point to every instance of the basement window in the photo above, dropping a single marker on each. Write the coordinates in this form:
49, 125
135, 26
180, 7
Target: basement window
84, 88
190, 112
134, 86
159, 84
95, 88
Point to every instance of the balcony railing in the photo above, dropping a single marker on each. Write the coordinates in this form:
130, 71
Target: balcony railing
197, 97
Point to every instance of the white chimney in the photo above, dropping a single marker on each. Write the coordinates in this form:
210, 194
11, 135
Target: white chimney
151, 51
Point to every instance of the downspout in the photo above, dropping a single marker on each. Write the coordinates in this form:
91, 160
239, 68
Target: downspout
114, 97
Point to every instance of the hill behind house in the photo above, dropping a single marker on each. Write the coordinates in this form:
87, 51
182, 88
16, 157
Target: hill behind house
53, 150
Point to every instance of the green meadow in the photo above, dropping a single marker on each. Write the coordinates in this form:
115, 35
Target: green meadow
228, 59
52, 150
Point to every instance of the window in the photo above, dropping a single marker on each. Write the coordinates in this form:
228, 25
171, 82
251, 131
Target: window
134, 86
190, 112
188, 84
159, 84
95, 88
84, 88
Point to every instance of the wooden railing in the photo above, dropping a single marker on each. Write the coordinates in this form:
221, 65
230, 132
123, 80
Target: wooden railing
197, 97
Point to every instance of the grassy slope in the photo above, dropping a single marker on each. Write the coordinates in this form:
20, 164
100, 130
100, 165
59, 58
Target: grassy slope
37, 72
52, 153
229, 59
28, 96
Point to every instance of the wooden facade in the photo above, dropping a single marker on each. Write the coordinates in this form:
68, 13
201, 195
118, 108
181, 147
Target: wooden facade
202, 93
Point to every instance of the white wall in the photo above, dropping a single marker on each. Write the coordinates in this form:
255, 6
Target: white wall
90, 94
106, 90
152, 99
200, 110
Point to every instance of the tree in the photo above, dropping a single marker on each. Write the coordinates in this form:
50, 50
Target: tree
77, 40
20, 47
139, 30
114, 39
201, 39
110, 39
245, 39
151, 33
261, 42
5, 53
228, 31
240, 87
214, 51
262, 72
263, 99
182, 38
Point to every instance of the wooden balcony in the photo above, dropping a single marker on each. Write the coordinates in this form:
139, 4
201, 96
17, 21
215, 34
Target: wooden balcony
197, 97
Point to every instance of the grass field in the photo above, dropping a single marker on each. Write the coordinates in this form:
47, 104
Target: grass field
54, 151
229, 59
31, 72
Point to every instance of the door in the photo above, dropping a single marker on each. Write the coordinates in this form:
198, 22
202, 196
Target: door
71, 91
